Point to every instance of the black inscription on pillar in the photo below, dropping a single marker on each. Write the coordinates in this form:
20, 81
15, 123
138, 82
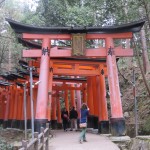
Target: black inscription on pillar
51, 69
110, 51
102, 72
45, 51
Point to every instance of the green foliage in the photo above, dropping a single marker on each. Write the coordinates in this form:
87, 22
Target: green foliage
146, 127
4, 145
87, 13
79, 17
10, 50
13, 9
52, 12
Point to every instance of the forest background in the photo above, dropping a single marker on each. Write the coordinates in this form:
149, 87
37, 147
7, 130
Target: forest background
87, 13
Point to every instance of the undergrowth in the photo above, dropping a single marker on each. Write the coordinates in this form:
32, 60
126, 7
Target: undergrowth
4, 145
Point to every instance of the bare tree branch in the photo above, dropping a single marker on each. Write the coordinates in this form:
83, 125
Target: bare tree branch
140, 66
125, 80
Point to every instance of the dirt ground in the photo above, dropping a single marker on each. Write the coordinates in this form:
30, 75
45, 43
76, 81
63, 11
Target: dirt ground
11, 138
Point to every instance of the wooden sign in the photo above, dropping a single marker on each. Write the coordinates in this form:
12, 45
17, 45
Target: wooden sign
78, 44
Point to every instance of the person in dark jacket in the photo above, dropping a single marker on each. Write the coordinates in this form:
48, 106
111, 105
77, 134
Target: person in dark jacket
73, 115
83, 122
65, 118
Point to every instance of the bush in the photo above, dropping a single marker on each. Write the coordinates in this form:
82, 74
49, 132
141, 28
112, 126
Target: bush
146, 127
4, 145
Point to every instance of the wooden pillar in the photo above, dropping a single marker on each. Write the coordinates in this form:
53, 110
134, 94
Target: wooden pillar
42, 97
90, 102
7, 109
99, 98
66, 100
103, 113
21, 117
103, 101
1, 120
18, 108
14, 118
28, 110
2, 105
78, 92
90, 95
95, 100
84, 91
54, 117
95, 103
59, 121
117, 120
72, 94
11, 103
50, 92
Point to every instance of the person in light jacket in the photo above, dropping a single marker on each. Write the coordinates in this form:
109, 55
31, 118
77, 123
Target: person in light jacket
83, 121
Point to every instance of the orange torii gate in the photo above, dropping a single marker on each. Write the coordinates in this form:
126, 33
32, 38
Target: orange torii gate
86, 67
12, 99
78, 35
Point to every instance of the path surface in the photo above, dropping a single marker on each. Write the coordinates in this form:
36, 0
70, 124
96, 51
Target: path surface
69, 141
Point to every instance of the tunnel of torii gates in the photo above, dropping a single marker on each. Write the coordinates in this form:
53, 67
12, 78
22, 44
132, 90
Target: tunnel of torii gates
77, 70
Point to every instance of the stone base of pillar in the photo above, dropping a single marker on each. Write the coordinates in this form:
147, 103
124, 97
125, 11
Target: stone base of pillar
117, 126
1, 121
54, 124
103, 127
95, 122
21, 126
40, 123
9, 122
14, 124
18, 124
49, 122
90, 121
5, 124
59, 125
28, 124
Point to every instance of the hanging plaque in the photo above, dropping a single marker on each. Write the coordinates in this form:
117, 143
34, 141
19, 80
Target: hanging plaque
78, 44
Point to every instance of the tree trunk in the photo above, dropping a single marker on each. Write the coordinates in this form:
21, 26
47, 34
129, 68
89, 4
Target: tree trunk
147, 10
9, 56
140, 66
146, 63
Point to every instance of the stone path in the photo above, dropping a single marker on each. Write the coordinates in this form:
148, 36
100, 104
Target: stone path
69, 141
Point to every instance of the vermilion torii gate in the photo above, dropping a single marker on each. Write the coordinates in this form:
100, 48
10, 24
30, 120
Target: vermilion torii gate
64, 61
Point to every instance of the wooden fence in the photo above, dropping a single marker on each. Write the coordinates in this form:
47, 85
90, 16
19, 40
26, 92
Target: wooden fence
40, 141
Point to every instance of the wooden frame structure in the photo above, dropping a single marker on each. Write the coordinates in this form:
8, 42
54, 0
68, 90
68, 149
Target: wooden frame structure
95, 64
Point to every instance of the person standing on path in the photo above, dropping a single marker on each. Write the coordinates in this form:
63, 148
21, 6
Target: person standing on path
83, 122
73, 115
65, 119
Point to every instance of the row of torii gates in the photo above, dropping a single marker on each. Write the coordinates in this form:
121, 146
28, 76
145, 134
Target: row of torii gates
84, 70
